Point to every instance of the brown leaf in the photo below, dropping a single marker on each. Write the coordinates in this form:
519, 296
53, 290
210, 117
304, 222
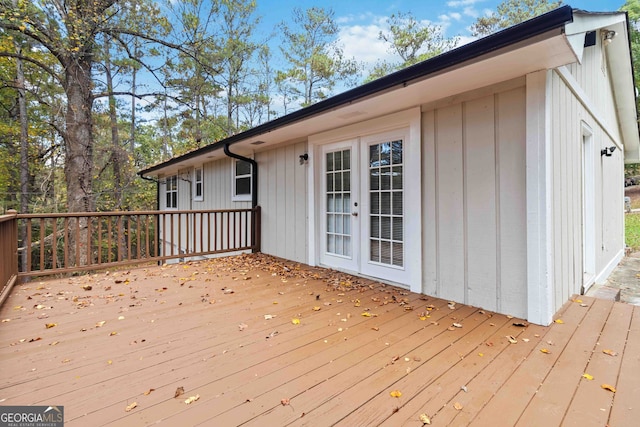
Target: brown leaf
520, 324
511, 339
88, 288
50, 325
610, 352
148, 392
457, 406
130, 407
545, 351
285, 401
179, 392
608, 387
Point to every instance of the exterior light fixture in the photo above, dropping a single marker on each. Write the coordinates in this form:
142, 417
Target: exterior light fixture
608, 36
607, 151
304, 158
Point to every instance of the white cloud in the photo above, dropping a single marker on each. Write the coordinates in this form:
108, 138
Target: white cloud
361, 42
470, 11
461, 3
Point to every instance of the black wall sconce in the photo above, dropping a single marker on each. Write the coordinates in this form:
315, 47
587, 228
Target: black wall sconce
607, 151
304, 157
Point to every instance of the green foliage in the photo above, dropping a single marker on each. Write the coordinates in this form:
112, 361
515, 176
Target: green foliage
511, 12
632, 231
316, 63
413, 41
632, 7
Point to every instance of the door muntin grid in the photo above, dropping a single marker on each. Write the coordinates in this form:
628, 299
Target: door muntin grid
338, 203
386, 192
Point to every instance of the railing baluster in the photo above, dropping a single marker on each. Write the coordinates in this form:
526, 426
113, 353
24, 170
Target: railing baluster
66, 242
54, 243
99, 240
27, 244
42, 255
126, 244
89, 245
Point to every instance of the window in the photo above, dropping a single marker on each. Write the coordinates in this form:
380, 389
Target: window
241, 180
198, 185
171, 192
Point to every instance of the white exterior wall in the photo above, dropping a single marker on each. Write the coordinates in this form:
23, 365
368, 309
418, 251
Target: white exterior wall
574, 104
282, 194
474, 219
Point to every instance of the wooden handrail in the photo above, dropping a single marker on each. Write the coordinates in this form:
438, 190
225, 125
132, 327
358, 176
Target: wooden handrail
80, 241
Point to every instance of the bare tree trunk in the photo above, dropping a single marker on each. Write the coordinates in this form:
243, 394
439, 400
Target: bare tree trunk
24, 150
132, 142
79, 152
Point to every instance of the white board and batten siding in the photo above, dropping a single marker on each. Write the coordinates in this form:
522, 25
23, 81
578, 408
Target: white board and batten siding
474, 219
581, 98
282, 194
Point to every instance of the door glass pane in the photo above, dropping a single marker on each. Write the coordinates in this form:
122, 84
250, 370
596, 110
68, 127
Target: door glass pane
338, 209
386, 211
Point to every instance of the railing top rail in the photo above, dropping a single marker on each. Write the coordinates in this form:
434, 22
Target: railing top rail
120, 213
7, 216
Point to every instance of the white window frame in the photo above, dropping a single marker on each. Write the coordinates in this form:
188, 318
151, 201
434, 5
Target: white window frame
168, 190
240, 197
198, 197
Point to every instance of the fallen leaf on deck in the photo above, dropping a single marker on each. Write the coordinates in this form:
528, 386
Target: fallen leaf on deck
55, 343
366, 314
243, 326
130, 407
458, 406
610, 352
87, 287
192, 399
424, 418
587, 376
481, 354
295, 321
457, 325
50, 325
179, 392
520, 324
113, 333
66, 361
100, 324
511, 339
268, 316
120, 317
316, 308
6, 320
608, 387
33, 339
396, 393
285, 401
375, 328
526, 339
545, 351
559, 321
148, 392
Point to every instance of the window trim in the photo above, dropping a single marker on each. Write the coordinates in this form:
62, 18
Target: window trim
240, 197
196, 197
168, 191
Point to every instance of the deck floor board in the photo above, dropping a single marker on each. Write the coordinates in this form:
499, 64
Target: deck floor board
202, 326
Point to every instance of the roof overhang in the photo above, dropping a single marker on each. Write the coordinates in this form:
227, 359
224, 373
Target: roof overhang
540, 43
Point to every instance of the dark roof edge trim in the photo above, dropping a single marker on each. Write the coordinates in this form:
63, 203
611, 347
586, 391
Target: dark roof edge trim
539, 25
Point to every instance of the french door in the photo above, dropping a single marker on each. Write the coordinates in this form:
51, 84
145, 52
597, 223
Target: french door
363, 216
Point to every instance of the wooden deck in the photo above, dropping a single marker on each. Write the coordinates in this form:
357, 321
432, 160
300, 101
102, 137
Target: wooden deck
137, 336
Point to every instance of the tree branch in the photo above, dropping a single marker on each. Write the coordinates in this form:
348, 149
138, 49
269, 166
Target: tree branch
34, 61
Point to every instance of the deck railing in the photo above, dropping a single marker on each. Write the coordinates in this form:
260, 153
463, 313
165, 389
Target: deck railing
8, 253
71, 242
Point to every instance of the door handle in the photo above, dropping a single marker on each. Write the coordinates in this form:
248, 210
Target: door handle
354, 213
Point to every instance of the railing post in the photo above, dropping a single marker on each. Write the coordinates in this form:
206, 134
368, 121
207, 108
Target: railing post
256, 229
9, 265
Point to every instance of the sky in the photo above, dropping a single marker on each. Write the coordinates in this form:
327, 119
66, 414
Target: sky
361, 21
